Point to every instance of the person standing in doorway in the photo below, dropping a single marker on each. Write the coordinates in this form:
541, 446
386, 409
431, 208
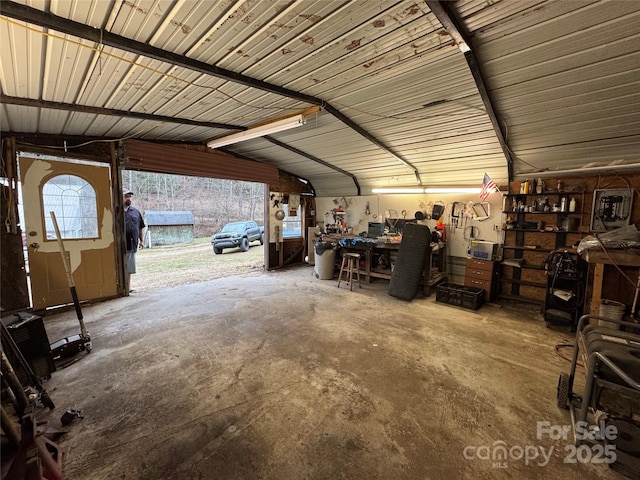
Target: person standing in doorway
134, 235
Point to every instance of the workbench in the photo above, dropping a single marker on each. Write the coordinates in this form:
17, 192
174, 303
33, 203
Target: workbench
435, 268
598, 258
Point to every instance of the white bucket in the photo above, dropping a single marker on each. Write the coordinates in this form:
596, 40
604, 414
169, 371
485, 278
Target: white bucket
611, 310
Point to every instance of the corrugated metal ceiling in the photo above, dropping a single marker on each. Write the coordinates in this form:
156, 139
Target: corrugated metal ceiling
564, 78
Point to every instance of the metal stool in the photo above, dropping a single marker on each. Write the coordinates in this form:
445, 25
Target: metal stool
351, 266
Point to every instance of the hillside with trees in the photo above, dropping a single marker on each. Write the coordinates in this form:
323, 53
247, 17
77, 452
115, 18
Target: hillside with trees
212, 201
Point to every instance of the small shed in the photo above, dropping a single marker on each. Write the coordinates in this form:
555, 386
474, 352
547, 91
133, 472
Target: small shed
168, 228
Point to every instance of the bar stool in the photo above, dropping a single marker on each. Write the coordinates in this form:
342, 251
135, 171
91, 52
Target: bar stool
351, 266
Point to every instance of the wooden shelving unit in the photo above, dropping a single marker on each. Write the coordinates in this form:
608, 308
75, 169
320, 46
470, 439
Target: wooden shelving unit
538, 226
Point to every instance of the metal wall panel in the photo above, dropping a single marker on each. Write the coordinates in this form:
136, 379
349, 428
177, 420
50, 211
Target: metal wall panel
153, 157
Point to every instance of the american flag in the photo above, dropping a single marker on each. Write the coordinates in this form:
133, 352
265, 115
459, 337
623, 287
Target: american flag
488, 186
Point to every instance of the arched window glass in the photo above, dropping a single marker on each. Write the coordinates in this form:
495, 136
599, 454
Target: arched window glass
73, 201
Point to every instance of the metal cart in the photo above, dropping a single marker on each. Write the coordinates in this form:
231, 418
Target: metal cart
611, 393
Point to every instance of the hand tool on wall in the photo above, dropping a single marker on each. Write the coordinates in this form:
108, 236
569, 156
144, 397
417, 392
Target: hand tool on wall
76, 343
457, 210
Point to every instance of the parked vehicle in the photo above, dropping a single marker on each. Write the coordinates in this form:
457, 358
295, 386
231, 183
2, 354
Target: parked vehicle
237, 234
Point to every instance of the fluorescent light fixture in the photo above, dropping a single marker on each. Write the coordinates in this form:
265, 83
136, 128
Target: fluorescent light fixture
261, 131
418, 190
452, 190
398, 190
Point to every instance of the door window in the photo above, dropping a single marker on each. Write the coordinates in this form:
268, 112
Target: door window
73, 200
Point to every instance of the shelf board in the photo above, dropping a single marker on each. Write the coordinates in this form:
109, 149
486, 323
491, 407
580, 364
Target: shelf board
542, 231
524, 282
517, 298
544, 250
543, 213
524, 265
376, 274
541, 194
533, 267
437, 278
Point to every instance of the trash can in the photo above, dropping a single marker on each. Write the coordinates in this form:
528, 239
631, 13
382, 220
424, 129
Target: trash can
325, 254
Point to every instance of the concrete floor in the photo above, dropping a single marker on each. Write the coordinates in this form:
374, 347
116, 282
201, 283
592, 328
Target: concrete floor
280, 375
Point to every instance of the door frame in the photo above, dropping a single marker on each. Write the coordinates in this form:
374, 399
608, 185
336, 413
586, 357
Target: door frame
117, 207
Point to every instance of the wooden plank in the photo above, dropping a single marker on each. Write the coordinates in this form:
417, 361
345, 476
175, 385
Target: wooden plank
598, 276
627, 258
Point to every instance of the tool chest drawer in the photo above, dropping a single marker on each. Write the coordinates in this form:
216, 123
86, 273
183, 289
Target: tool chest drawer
483, 274
476, 282
480, 264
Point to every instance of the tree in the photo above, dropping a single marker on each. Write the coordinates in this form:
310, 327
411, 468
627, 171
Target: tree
212, 201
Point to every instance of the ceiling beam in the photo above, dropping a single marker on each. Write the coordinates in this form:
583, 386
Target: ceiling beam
444, 14
315, 159
30, 102
103, 37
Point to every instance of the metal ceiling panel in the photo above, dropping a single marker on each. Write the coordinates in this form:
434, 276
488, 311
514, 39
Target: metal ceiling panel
481, 16
18, 119
405, 37
307, 29
358, 44
563, 78
22, 52
111, 127
54, 119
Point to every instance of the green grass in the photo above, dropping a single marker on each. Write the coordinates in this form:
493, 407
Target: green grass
173, 265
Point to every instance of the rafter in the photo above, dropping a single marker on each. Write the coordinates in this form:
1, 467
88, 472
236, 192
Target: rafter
80, 30
442, 11
72, 107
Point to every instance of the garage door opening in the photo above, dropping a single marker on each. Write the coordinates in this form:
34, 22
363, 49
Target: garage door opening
182, 213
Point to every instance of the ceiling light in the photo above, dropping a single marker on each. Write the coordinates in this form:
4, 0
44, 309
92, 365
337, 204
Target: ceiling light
417, 190
452, 190
398, 190
261, 131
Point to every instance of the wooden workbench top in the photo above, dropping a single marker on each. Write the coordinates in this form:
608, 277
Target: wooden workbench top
629, 257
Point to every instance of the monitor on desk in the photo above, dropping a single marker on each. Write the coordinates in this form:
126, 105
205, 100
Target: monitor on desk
375, 229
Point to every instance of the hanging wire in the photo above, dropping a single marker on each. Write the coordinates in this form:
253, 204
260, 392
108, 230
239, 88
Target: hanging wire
65, 147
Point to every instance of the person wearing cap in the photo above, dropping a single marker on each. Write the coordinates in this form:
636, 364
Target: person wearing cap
134, 235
